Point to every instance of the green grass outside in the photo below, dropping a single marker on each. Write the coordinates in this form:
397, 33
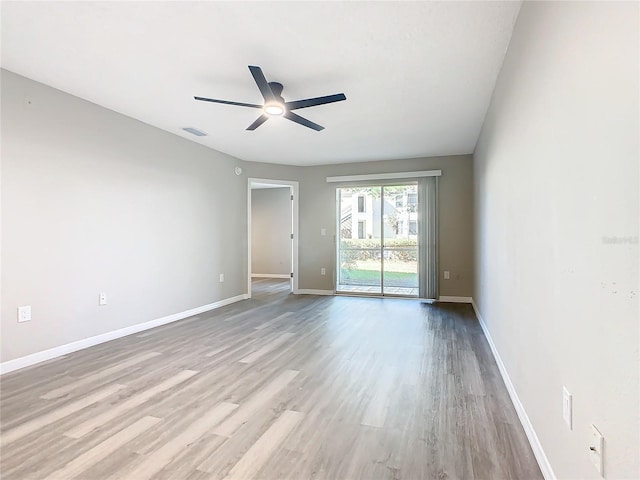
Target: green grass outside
372, 277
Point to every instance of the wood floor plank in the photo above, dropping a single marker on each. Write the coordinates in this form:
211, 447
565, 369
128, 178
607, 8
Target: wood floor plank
158, 459
213, 353
105, 373
252, 461
259, 400
269, 347
135, 401
101, 451
273, 321
57, 414
376, 412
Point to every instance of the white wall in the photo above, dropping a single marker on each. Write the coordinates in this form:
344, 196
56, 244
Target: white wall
556, 177
271, 231
93, 201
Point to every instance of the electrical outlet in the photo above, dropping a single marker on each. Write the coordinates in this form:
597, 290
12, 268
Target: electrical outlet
102, 299
447, 275
596, 447
567, 407
24, 313
221, 277
323, 231
323, 271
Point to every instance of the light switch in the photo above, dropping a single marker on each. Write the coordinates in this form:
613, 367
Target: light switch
323, 232
24, 313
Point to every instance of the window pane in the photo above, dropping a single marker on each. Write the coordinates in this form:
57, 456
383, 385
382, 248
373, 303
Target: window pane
400, 252
359, 262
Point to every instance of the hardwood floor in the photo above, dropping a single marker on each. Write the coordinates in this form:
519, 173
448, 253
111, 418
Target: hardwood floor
279, 386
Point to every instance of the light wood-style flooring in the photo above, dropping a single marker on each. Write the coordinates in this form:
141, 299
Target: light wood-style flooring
277, 387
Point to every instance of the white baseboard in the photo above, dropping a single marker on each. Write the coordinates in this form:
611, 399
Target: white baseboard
270, 275
310, 291
450, 299
51, 353
536, 446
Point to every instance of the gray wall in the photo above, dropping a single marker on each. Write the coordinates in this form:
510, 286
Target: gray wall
93, 201
556, 200
271, 231
318, 210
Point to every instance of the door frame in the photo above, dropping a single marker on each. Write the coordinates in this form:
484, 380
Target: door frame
294, 186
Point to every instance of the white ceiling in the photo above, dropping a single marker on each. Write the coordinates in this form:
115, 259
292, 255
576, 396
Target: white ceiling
418, 76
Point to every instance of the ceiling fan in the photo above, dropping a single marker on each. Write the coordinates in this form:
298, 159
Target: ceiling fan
275, 105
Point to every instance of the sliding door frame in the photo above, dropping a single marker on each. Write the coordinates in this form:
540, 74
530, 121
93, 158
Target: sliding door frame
390, 179
382, 186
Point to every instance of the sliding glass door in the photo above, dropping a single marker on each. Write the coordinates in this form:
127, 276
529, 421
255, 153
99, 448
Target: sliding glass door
400, 240
359, 243
378, 244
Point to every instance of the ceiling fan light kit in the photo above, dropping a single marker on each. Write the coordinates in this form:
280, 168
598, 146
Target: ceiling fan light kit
274, 109
275, 106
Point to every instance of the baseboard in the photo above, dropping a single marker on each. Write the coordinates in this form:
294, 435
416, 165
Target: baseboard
310, 291
270, 275
538, 451
450, 299
51, 353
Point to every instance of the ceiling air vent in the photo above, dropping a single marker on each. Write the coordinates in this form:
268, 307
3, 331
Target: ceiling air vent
195, 131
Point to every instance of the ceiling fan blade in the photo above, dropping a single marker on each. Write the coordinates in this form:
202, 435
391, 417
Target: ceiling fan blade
252, 105
310, 102
259, 121
262, 83
303, 121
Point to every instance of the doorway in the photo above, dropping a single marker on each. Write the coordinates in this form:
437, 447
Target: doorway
378, 242
272, 226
